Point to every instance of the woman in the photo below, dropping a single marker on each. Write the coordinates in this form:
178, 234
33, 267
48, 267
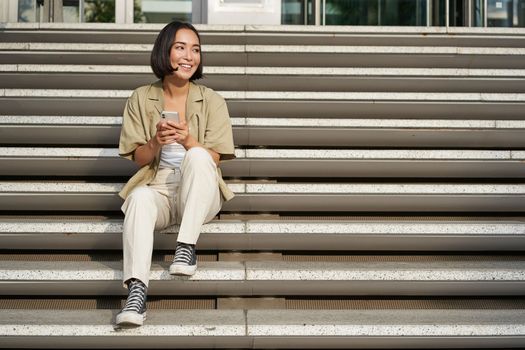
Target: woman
178, 180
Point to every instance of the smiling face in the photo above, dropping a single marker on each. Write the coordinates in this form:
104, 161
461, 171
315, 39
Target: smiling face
185, 54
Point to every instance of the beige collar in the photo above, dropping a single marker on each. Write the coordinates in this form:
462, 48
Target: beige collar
155, 96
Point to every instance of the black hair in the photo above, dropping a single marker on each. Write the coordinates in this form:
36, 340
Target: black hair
160, 55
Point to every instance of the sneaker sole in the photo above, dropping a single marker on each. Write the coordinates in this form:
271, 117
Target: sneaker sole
182, 270
130, 318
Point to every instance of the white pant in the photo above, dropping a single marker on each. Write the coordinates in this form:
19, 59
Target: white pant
189, 196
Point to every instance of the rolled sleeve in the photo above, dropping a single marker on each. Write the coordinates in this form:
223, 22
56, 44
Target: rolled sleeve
218, 135
132, 134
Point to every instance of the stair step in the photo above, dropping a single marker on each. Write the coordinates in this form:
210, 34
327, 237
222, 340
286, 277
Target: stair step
426, 73
267, 34
275, 197
282, 95
267, 328
467, 235
268, 55
270, 78
483, 277
92, 328
284, 103
33, 161
268, 303
42, 130
36, 130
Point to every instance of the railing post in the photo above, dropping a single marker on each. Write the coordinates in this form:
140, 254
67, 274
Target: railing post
447, 12
317, 12
485, 14
81, 11
429, 13
305, 10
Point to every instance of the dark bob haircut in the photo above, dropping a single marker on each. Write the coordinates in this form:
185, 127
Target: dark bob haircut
160, 55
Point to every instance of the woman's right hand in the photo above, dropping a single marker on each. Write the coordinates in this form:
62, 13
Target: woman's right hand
165, 133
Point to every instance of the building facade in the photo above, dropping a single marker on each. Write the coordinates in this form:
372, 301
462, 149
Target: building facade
461, 13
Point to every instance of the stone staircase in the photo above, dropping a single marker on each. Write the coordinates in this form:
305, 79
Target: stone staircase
380, 190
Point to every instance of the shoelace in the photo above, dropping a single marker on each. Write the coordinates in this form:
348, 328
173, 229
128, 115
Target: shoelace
185, 254
136, 298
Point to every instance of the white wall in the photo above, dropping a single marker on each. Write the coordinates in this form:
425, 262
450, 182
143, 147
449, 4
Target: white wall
244, 12
9, 11
4, 10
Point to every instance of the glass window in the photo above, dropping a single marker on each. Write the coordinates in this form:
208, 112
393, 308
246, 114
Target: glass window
162, 11
100, 11
478, 17
297, 12
351, 12
70, 11
458, 13
403, 13
376, 12
27, 11
521, 13
438, 11
506, 13
293, 11
66, 11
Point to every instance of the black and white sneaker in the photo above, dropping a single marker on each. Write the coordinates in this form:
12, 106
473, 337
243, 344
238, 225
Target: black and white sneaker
134, 312
185, 260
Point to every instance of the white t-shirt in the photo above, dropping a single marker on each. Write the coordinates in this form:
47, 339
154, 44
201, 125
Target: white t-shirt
171, 156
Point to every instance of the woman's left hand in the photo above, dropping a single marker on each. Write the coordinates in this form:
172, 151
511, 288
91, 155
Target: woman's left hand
182, 135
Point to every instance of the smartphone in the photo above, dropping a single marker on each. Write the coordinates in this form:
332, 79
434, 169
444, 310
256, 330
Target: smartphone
173, 116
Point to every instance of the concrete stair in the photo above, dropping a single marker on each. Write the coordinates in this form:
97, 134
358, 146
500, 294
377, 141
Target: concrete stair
402, 276
285, 103
327, 132
337, 79
412, 234
309, 163
284, 197
270, 328
379, 183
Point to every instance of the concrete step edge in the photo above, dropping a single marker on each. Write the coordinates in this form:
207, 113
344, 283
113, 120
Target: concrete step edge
272, 271
268, 323
95, 121
506, 227
275, 153
79, 188
283, 95
427, 73
275, 49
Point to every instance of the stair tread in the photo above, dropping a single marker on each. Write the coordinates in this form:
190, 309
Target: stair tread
268, 48
43, 121
419, 97
275, 322
28, 224
297, 153
282, 188
426, 73
274, 271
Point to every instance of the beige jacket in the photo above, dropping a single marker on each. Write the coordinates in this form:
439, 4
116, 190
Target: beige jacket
208, 121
